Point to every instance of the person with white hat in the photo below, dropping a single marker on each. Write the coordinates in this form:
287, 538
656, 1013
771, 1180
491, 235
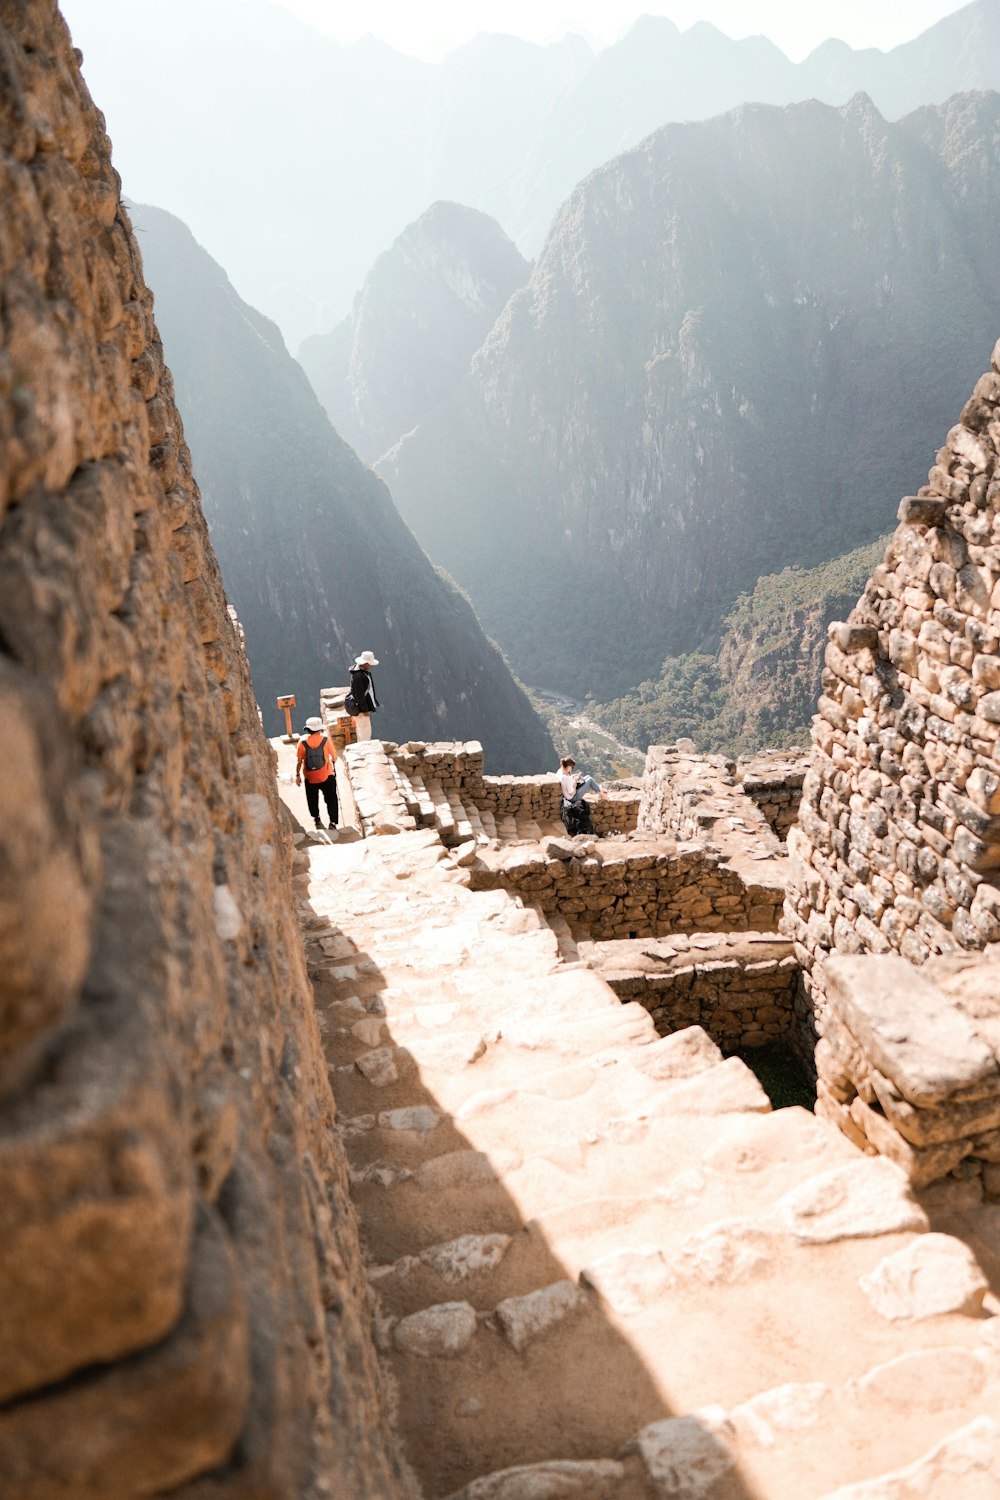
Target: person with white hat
315, 757
363, 693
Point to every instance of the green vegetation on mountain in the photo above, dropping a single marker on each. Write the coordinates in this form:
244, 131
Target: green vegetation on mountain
759, 688
314, 555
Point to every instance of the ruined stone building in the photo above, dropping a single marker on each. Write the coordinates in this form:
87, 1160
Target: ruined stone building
430, 1164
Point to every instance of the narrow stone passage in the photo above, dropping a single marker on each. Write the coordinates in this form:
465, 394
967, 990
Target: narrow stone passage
599, 1250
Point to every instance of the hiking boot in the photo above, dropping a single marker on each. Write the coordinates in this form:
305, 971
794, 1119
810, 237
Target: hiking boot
317, 823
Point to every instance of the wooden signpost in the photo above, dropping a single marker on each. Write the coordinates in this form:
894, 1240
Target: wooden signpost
288, 703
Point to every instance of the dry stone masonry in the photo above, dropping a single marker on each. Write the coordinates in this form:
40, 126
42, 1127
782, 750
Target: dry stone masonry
182, 1306
589, 1251
596, 1251
739, 987
898, 845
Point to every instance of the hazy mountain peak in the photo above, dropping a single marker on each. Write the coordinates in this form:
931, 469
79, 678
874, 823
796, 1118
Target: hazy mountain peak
719, 367
314, 555
424, 308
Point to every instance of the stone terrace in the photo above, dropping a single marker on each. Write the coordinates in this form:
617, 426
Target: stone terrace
594, 1252
725, 873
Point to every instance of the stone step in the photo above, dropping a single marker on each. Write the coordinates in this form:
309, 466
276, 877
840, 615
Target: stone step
568, 951
601, 1265
425, 804
464, 826
489, 823
444, 818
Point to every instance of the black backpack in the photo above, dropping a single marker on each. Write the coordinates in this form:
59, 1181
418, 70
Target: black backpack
316, 755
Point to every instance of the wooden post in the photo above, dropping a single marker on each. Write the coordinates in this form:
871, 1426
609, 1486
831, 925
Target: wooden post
288, 703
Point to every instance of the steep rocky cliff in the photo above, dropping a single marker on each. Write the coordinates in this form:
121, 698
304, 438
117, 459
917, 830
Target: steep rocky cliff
657, 73
182, 1305
425, 307
728, 359
315, 556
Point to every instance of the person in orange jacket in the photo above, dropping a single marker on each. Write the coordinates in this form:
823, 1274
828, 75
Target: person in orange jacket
317, 762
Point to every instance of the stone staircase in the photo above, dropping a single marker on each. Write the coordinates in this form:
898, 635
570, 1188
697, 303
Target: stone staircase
601, 1266
457, 819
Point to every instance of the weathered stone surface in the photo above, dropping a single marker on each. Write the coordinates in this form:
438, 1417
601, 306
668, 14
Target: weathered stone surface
936, 1274
469, 1255
685, 1457
378, 1066
595, 1479
524, 1319
156, 1419
729, 1251
628, 1280
683, 1054
158, 1043
925, 1380
729, 1086
439, 1332
95, 1212
906, 1026
963, 1466
764, 1419
865, 1198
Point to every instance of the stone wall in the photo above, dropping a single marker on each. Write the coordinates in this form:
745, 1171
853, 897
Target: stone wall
458, 768
182, 1305
739, 987
907, 1064
897, 850
773, 782
635, 888
898, 846
692, 796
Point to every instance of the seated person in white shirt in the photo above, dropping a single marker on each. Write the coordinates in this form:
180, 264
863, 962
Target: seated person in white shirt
574, 811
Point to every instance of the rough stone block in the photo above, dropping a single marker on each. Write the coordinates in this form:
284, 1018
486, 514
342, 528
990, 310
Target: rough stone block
911, 1032
96, 1202
152, 1421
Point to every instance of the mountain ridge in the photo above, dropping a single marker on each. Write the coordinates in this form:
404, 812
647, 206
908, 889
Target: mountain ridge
718, 367
314, 555
507, 132
424, 308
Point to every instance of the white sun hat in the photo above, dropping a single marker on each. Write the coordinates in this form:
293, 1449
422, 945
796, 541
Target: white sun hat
314, 724
366, 659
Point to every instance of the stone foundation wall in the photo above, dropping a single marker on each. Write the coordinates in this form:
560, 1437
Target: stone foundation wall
631, 890
692, 796
458, 767
897, 849
907, 1063
182, 1306
740, 991
773, 782
898, 844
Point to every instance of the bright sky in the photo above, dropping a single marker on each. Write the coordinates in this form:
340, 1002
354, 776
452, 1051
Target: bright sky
429, 28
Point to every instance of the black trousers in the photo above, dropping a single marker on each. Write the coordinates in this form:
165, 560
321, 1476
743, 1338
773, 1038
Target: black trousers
329, 790
576, 818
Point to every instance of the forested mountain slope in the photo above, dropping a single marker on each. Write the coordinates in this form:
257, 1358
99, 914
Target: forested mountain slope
313, 553
734, 353
759, 687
